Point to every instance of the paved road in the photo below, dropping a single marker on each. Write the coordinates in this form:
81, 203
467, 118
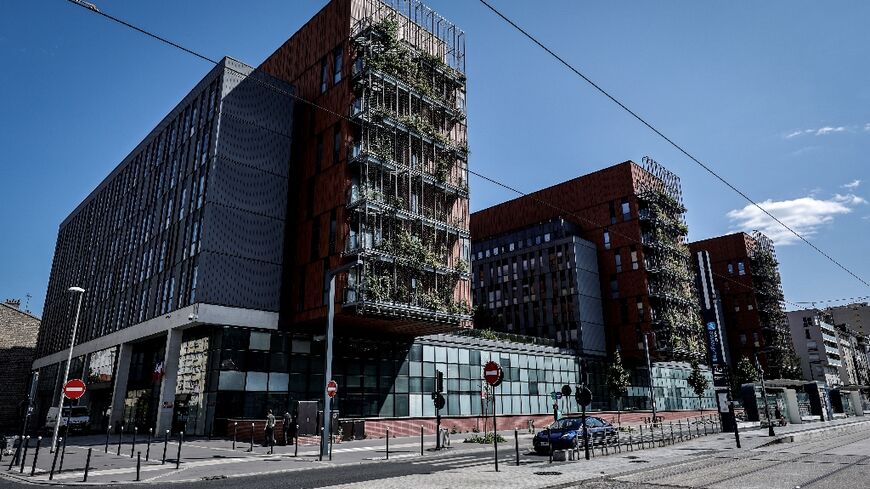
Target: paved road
835, 462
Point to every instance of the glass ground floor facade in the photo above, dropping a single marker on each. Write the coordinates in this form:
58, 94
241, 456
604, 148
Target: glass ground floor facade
235, 372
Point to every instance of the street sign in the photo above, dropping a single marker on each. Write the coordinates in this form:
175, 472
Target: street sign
74, 389
493, 374
331, 388
566, 390
583, 396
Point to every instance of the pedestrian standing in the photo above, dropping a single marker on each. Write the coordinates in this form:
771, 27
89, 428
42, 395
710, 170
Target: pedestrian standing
294, 425
287, 420
270, 428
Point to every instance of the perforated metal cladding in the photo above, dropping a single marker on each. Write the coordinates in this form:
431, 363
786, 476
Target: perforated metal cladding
243, 234
259, 99
246, 143
231, 281
247, 188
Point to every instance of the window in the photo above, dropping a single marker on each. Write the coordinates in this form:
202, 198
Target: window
634, 263
324, 75
730, 268
606, 239
626, 210
640, 314
618, 259
336, 144
741, 269
547, 237
807, 332
612, 213
337, 62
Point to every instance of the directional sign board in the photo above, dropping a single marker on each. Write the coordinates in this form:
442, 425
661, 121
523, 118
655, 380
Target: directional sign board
331, 388
74, 389
493, 374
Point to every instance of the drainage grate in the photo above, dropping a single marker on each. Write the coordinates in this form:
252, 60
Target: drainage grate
548, 473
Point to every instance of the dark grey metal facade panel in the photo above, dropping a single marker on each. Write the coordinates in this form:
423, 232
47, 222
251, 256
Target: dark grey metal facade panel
247, 188
253, 146
239, 282
243, 234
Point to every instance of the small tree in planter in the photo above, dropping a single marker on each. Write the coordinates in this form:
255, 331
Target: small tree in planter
617, 383
698, 382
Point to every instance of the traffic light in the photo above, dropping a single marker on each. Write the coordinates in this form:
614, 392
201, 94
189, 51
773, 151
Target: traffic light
439, 381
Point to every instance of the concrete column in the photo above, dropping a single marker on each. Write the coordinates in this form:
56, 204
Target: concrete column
166, 402
857, 405
792, 407
119, 391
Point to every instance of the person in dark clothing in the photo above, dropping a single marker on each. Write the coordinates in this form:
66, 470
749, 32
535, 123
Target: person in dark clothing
270, 428
286, 427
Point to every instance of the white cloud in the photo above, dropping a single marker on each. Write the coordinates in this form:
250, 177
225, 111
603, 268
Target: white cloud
805, 215
867, 126
853, 184
828, 129
822, 131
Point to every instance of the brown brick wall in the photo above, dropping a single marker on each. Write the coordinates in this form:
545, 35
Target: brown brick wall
18, 332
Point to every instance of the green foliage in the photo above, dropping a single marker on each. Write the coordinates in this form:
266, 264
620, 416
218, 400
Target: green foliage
484, 439
745, 372
617, 377
697, 381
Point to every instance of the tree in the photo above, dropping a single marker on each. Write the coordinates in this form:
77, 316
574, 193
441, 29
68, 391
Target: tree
617, 383
698, 382
744, 373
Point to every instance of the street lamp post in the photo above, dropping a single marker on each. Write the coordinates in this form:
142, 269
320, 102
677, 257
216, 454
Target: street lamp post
325, 439
652, 396
81, 292
764, 396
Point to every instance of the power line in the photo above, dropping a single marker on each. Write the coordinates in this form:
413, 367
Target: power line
669, 140
344, 117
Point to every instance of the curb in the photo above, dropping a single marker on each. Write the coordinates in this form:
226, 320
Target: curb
814, 433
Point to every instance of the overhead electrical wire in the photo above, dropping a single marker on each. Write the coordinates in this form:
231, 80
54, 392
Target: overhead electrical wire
346, 118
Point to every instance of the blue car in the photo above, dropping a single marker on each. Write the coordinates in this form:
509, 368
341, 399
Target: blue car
567, 434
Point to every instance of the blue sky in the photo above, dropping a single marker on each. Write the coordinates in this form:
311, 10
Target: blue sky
773, 95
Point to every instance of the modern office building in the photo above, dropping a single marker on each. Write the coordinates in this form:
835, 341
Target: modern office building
629, 219
205, 253
856, 315
634, 216
186, 231
816, 343
18, 333
746, 275
386, 191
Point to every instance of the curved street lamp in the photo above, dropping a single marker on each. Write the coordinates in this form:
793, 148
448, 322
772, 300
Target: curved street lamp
81, 292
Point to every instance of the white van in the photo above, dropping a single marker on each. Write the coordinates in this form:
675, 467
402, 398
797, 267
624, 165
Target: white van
79, 419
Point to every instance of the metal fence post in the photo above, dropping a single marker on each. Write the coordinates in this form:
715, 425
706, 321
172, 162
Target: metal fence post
671, 423
62, 454
53, 465
235, 433
133, 446
120, 434
24, 453
421, 440
35, 456
165, 442
517, 444
148, 450
106, 449
252, 438
178, 456
17, 449
296, 445
388, 443
87, 466
138, 466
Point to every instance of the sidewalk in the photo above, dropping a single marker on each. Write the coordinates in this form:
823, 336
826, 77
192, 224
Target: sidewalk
203, 459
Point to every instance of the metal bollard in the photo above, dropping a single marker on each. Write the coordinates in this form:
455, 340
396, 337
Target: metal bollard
641, 437
272, 445
697, 429
178, 456
106, 449
133, 446
87, 466
252, 438
62, 453
148, 450
517, 444
120, 434
235, 433
35, 456
24, 454
549, 445
388, 443
17, 450
53, 465
320, 446
296, 445
138, 466
662, 434
165, 441
680, 426
421, 440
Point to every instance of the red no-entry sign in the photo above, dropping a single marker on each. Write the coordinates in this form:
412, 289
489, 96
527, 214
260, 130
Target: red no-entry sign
492, 373
74, 389
331, 388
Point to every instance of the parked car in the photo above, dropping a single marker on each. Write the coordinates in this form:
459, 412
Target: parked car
567, 433
78, 417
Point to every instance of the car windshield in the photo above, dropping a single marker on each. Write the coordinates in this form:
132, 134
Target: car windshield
566, 424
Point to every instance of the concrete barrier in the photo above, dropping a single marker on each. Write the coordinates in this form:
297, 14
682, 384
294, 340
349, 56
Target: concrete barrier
820, 432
